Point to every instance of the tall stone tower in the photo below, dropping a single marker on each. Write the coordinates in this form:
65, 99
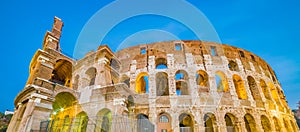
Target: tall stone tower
50, 71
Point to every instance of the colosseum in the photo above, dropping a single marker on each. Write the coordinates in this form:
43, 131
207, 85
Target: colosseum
174, 86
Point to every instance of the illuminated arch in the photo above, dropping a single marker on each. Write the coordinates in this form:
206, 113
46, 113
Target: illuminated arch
186, 122
265, 89
221, 81
230, 120
275, 95
266, 125
277, 124
81, 122
210, 122
253, 88
141, 83
239, 87
202, 78
250, 123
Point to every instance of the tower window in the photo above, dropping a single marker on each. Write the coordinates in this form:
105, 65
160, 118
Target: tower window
143, 51
242, 54
178, 46
213, 51
252, 57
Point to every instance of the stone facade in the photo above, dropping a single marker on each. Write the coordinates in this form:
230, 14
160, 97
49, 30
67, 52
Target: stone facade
188, 86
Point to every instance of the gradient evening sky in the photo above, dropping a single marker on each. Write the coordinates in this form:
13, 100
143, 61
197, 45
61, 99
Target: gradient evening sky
268, 28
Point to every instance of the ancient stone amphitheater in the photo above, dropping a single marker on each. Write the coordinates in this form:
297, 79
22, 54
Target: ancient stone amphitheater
175, 86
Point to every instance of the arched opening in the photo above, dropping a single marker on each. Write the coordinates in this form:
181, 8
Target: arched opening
282, 98
230, 123
250, 123
254, 88
104, 120
233, 66
287, 125
186, 123
76, 82
221, 81
202, 78
143, 124
91, 73
161, 63
141, 83
64, 108
239, 87
164, 122
181, 78
62, 73
265, 123
66, 124
277, 124
295, 128
275, 95
209, 122
162, 84
81, 122
265, 89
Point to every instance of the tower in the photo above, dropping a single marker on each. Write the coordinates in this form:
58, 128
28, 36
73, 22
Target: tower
49, 72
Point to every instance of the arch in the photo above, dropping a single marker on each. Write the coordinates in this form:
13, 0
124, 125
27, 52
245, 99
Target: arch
164, 122
202, 78
230, 122
63, 108
104, 120
141, 83
186, 122
63, 100
274, 93
253, 88
162, 84
294, 127
277, 124
221, 82
265, 89
233, 66
91, 73
81, 121
250, 123
181, 78
66, 123
143, 123
76, 82
210, 122
266, 125
239, 87
161, 63
62, 73
287, 125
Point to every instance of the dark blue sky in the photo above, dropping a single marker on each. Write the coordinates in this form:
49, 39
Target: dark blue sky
268, 28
